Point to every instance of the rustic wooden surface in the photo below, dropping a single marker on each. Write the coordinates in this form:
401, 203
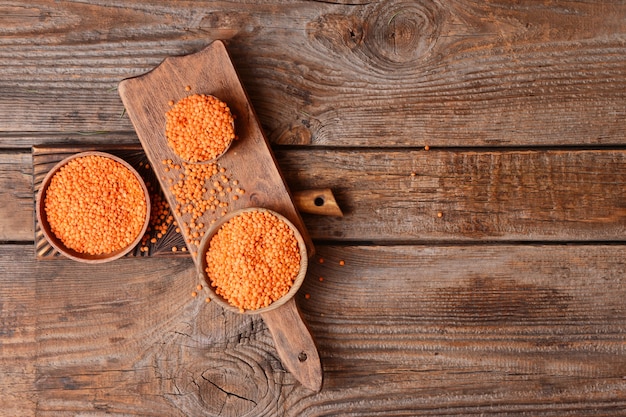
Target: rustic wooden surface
484, 276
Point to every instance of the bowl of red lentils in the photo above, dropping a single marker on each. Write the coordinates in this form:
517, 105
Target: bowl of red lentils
253, 260
93, 207
199, 128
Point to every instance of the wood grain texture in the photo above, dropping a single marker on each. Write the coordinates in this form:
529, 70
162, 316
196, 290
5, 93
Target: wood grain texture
389, 195
18, 332
389, 73
317, 201
17, 212
421, 325
510, 304
401, 330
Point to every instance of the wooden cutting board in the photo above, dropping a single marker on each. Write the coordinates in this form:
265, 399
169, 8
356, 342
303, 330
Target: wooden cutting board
249, 162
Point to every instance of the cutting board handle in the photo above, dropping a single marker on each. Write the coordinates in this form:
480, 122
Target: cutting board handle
295, 345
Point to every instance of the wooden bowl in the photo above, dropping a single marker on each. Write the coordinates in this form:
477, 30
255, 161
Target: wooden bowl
205, 246
57, 243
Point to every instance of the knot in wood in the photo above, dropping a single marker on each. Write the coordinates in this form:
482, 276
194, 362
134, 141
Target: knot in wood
337, 32
403, 32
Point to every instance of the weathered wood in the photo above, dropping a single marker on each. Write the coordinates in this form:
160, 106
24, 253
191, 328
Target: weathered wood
401, 330
393, 73
18, 331
568, 195
294, 344
16, 197
431, 319
389, 195
502, 330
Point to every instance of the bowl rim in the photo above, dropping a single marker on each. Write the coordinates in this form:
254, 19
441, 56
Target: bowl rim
204, 247
56, 242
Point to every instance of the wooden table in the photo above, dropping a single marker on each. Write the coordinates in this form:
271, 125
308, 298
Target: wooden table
476, 148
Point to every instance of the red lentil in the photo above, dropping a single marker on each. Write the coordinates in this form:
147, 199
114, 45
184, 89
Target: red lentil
95, 205
253, 260
199, 127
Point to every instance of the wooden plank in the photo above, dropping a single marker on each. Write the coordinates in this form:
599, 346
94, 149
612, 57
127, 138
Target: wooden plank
389, 195
18, 331
16, 204
451, 73
401, 330
569, 195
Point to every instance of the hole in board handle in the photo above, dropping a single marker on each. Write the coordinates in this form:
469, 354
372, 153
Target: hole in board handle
319, 201
302, 356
